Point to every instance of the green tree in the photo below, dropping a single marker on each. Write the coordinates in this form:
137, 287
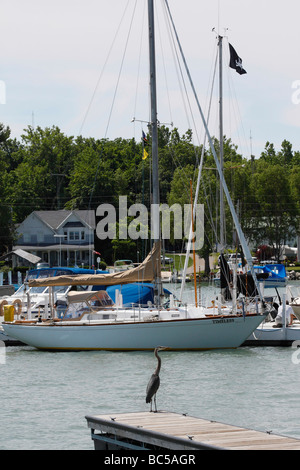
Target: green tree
276, 212
7, 230
39, 180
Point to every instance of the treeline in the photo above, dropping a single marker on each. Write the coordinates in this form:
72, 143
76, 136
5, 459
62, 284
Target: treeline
47, 170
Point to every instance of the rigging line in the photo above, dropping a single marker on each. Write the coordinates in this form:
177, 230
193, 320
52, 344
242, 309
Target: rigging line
164, 67
121, 68
139, 61
205, 137
241, 235
180, 68
199, 179
112, 106
171, 34
181, 82
212, 75
176, 55
210, 218
218, 16
103, 68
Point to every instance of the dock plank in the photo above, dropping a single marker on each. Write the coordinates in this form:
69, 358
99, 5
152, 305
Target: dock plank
178, 431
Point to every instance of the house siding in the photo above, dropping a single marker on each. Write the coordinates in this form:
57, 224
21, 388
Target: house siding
59, 237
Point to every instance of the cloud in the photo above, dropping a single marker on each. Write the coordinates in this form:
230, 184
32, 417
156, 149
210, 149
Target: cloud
54, 54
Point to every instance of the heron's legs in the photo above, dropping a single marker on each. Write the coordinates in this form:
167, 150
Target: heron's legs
154, 398
155, 403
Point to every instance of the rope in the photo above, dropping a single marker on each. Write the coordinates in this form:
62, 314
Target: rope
113, 102
103, 69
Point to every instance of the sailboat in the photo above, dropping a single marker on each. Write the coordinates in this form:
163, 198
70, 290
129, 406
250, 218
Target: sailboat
94, 322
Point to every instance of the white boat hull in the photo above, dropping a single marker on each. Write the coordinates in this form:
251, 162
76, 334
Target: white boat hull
7, 340
272, 283
296, 309
266, 335
191, 334
268, 284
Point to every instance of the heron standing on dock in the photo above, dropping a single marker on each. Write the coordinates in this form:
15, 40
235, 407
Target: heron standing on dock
154, 381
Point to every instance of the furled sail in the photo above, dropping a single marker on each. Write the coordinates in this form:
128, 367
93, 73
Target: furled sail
147, 271
245, 282
225, 275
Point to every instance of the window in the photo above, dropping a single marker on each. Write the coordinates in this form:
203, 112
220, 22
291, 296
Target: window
82, 235
73, 235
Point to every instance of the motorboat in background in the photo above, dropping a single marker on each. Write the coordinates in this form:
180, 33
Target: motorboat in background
270, 333
277, 276
123, 265
271, 275
39, 296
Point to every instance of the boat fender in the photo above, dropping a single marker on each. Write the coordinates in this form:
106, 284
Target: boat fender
18, 306
2, 303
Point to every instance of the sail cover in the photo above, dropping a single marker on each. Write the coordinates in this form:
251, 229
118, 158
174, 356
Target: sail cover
147, 271
225, 275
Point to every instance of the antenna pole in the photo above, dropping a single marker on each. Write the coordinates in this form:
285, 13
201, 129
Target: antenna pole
220, 44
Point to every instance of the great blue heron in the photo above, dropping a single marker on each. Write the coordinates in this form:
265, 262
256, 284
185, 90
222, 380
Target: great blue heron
154, 381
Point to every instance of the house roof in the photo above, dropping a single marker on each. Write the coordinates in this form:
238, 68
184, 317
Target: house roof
53, 247
23, 254
55, 218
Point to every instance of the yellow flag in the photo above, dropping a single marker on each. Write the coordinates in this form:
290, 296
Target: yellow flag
145, 154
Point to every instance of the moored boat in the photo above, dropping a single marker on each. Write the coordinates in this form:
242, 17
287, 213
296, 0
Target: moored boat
270, 275
93, 322
34, 301
276, 275
296, 307
267, 334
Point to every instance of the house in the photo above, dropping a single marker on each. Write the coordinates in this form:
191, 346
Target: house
60, 238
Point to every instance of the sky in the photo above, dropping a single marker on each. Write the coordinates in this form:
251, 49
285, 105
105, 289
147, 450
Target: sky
73, 64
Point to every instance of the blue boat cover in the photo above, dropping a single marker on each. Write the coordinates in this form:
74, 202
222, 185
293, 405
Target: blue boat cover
136, 293
276, 270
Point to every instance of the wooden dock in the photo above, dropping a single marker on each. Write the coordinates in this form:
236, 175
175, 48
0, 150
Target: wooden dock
173, 431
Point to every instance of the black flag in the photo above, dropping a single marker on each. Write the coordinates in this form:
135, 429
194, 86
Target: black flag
236, 61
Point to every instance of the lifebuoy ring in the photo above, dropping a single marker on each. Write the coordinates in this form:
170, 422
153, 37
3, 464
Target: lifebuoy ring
18, 306
2, 303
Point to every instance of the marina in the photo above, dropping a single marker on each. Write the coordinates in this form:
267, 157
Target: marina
97, 327
75, 371
264, 335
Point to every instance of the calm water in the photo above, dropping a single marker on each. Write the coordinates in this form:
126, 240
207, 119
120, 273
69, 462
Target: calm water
46, 396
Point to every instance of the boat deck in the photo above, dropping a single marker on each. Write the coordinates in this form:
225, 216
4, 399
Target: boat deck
165, 430
267, 335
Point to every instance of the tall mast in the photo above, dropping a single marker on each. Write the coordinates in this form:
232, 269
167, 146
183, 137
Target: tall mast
155, 222
220, 44
155, 188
